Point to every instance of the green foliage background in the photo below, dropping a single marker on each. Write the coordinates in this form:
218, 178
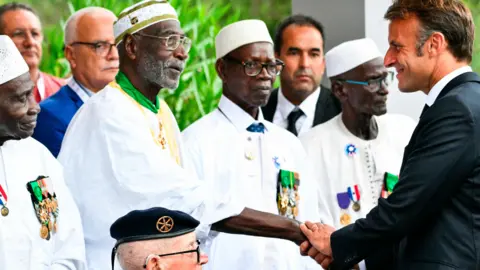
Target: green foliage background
200, 88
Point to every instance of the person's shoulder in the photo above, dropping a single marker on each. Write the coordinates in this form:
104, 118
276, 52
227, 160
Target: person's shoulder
53, 79
205, 126
318, 132
59, 99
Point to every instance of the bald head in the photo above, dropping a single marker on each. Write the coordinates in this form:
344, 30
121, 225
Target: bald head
81, 22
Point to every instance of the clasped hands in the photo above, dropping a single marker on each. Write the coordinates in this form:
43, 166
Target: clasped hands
318, 244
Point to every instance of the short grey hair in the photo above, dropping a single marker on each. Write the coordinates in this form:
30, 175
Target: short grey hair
70, 30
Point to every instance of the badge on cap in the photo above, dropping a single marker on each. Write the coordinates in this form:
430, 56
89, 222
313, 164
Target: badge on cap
165, 224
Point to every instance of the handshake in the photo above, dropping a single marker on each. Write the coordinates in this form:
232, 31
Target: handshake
318, 244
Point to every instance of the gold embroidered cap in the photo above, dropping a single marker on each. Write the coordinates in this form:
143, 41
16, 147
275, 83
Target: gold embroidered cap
142, 15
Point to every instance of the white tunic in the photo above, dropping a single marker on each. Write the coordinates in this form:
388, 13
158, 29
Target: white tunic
21, 246
112, 160
336, 171
218, 145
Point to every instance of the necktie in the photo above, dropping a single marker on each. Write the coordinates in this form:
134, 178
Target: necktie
292, 120
256, 127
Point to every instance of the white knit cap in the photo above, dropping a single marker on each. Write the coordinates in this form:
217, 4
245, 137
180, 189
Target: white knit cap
349, 55
12, 64
142, 15
240, 33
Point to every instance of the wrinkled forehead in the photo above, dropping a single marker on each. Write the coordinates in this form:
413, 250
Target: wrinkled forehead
372, 68
168, 27
254, 51
17, 85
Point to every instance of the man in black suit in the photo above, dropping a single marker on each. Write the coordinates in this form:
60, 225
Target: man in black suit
432, 219
301, 102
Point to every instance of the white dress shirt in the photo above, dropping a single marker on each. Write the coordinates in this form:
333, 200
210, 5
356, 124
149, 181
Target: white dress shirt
218, 145
115, 166
438, 87
285, 107
21, 246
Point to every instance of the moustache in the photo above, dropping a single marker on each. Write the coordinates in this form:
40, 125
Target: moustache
303, 72
179, 65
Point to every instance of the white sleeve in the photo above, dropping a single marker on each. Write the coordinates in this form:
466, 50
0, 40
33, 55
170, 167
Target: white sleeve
69, 246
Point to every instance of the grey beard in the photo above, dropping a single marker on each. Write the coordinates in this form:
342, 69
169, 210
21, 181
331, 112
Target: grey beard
154, 71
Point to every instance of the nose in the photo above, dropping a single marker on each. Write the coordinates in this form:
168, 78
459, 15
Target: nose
33, 107
29, 40
180, 53
203, 259
264, 74
305, 61
389, 60
113, 54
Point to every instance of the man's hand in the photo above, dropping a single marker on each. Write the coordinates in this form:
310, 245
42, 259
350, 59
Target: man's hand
306, 249
319, 236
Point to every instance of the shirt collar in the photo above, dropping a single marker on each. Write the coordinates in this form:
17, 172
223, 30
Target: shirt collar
308, 106
237, 116
437, 88
85, 89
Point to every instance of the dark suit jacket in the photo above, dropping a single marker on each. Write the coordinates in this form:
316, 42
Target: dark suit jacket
432, 218
327, 107
54, 117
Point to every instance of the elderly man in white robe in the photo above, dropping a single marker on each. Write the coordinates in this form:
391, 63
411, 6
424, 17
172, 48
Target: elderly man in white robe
238, 152
357, 155
40, 225
123, 150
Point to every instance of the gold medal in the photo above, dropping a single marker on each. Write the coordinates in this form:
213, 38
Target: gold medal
345, 219
356, 206
5, 211
50, 226
44, 232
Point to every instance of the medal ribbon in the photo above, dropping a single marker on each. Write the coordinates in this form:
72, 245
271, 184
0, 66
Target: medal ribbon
343, 200
3, 198
355, 198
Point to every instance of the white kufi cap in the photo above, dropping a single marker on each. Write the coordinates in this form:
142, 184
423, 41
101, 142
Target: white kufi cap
12, 64
349, 55
142, 15
240, 33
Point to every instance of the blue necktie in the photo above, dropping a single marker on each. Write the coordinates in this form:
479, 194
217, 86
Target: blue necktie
256, 127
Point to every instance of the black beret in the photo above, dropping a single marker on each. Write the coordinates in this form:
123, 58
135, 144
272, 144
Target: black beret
153, 223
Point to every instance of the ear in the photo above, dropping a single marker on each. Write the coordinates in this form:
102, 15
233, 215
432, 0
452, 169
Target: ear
131, 47
339, 91
70, 56
436, 44
155, 263
220, 67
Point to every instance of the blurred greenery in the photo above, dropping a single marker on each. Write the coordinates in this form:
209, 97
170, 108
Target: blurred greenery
200, 88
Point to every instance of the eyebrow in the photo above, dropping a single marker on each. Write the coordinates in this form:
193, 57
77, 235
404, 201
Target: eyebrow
394, 43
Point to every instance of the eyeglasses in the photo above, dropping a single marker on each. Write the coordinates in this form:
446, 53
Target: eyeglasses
102, 48
375, 84
172, 42
253, 68
197, 250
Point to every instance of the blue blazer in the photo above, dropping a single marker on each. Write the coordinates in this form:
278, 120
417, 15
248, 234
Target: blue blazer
56, 113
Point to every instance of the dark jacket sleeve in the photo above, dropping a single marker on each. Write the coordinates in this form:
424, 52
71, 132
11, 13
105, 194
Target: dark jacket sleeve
441, 156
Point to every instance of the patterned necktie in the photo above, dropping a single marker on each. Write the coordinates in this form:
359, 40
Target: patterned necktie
256, 127
292, 120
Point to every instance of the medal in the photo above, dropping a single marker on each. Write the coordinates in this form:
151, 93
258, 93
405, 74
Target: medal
350, 150
3, 202
5, 211
345, 219
287, 193
44, 232
344, 202
355, 197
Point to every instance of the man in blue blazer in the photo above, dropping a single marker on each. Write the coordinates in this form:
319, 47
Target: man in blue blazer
93, 58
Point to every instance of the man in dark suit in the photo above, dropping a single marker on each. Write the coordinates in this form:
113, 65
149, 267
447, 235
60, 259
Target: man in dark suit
301, 102
431, 220
93, 58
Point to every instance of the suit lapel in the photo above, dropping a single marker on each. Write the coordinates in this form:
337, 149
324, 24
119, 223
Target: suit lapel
269, 109
74, 97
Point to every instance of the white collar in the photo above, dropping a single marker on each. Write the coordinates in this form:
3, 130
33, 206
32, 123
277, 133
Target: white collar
41, 86
438, 87
308, 106
237, 116
83, 93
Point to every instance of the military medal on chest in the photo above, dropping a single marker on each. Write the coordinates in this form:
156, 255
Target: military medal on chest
3, 201
344, 202
288, 196
45, 205
354, 195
